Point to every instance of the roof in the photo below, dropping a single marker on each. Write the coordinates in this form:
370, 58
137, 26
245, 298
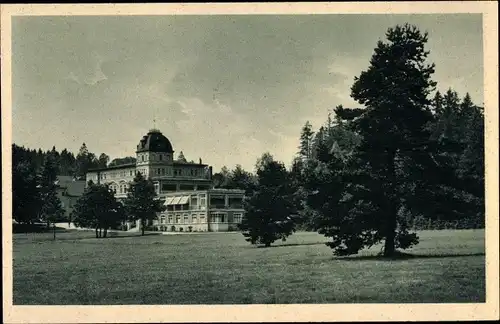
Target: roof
73, 187
154, 141
114, 167
177, 162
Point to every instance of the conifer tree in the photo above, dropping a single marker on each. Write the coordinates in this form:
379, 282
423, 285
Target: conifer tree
393, 140
142, 203
306, 142
25, 192
270, 207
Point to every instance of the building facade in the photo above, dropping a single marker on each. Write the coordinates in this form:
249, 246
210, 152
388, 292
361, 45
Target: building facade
69, 190
192, 204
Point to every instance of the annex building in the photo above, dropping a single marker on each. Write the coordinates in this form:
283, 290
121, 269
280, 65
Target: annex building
185, 187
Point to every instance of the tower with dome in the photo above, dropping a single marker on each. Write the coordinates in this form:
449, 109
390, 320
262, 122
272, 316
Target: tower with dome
185, 188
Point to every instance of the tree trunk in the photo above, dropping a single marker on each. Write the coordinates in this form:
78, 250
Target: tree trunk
96, 232
267, 244
54, 227
389, 247
100, 232
142, 228
392, 210
105, 232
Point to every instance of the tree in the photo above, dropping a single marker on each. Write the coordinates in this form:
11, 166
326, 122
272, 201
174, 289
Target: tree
51, 208
241, 179
181, 157
25, 192
394, 149
85, 161
98, 208
306, 142
141, 202
103, 160
221, 179
270, 207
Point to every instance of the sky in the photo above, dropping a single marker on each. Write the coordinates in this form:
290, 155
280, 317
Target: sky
222, 88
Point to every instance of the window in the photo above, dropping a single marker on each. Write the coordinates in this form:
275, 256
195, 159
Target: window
183, 187
203, 201
194, 219
168, 187
161, 157
202, 219
236, 202
157, 187
178, 218
218, 217
170, 219
194, 201
237, 218
217, 201
186, 218
162, 219
163, 170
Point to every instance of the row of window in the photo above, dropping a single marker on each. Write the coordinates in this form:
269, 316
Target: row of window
123, 188
195, 219
156, 171
118, 174
154, 157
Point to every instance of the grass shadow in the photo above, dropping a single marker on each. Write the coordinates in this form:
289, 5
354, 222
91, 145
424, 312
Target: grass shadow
406, 256
289, 245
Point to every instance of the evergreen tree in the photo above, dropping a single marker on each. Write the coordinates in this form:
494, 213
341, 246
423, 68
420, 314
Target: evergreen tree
393, 149
25, 192
241, 179
51, 208
82, 162
141, 202
181, 157
306, 142
270, 207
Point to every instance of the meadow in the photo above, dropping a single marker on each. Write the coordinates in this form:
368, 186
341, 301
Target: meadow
222, 268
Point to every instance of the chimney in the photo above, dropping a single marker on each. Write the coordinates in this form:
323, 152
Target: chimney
200, 160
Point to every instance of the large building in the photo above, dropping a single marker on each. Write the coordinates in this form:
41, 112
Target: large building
185, 188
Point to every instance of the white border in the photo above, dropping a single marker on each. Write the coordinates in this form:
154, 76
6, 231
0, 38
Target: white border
263, 313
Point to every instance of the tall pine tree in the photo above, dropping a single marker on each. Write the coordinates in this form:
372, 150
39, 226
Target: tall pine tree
142, 203
270, 207
393, 149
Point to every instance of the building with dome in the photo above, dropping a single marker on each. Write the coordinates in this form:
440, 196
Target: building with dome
185, 187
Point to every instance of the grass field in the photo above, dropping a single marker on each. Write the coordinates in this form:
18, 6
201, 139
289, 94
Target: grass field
221, 268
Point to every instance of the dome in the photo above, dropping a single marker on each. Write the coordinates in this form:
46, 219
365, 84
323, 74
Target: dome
154, 141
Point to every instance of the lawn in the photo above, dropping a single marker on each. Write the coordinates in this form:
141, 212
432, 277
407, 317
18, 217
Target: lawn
221, 268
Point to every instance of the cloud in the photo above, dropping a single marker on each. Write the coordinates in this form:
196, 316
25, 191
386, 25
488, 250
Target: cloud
223, 88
